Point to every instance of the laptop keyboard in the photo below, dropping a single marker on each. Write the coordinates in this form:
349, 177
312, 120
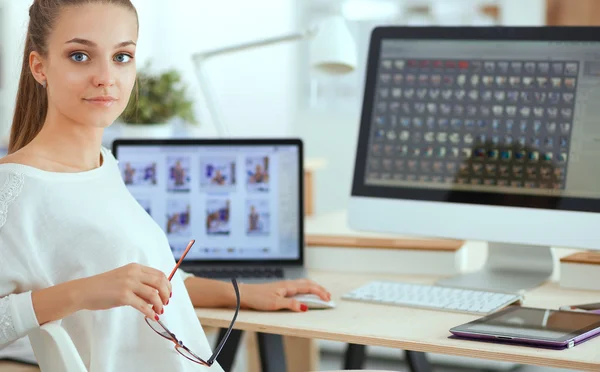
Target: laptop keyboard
248, 273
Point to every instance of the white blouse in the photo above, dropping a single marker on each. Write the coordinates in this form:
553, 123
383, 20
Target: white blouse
56, 227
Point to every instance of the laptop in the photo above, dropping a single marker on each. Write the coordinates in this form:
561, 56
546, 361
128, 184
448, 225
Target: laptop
240, 199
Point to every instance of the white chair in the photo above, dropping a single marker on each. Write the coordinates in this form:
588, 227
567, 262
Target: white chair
54, 349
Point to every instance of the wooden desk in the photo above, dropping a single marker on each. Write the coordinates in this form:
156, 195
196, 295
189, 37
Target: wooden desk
409, 329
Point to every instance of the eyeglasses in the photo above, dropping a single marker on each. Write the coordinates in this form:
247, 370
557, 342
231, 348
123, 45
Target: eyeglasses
159, 327
163, 331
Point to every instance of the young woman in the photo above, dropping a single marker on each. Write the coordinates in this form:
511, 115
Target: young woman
74, 244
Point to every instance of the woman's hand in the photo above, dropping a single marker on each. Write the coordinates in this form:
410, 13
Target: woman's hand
131, 285
277, 295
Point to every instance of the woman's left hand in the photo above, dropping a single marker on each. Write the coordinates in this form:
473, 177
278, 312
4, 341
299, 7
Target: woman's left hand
278, 295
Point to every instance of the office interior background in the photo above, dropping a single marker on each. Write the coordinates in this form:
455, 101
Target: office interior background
273, 92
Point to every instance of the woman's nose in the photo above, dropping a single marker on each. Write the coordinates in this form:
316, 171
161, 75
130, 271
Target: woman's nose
104, 76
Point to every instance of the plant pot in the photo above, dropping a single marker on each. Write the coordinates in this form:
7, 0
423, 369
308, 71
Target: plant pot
146, 130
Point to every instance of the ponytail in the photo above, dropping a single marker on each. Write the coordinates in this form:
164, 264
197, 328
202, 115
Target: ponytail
31, 106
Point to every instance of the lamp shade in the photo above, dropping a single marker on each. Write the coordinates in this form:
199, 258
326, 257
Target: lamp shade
332, 49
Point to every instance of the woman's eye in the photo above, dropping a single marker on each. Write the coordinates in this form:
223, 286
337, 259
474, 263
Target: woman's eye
123, 58
79, 57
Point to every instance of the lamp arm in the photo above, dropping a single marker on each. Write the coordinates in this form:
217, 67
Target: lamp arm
209, 95
251, 45
204, 82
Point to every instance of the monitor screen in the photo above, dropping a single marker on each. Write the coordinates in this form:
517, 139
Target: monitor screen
239, 202
506, 122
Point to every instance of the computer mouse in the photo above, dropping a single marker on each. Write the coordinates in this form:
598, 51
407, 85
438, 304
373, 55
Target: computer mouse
314, 301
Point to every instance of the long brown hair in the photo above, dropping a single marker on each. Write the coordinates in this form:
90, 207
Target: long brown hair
32, 100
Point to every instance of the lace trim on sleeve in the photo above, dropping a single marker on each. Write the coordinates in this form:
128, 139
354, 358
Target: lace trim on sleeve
8, 193
8, 332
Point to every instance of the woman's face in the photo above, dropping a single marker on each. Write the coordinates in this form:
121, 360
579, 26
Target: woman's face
90, 67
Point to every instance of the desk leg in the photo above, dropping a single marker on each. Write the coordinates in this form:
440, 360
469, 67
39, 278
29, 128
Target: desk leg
417, 361
301, 354
272, 353
355, 356
227, 355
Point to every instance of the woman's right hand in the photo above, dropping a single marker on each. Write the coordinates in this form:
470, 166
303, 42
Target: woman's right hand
132, 285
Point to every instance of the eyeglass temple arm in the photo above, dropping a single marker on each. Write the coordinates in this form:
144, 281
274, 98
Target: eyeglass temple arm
224, 339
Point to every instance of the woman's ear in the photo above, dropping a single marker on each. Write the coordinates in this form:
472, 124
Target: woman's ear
36, 64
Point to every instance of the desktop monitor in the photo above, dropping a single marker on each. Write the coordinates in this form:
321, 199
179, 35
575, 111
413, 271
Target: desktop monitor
483, 133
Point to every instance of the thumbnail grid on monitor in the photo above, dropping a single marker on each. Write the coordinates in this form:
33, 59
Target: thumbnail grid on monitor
474, 122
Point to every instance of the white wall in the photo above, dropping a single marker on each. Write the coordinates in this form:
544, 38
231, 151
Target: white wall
255, 89
523, 13
331, 136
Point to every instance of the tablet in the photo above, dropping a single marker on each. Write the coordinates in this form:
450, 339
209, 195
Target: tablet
557, 329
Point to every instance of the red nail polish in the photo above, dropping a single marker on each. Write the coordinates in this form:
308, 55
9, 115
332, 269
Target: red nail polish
171, 295
303, 307
162, 311
156, 317
167, 302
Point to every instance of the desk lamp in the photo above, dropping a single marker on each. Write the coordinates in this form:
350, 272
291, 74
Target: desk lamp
332, 51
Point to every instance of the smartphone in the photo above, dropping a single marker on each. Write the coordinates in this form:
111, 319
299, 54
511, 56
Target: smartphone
587, 308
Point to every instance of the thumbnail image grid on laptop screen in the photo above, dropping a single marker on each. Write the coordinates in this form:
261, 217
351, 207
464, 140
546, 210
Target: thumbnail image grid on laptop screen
237, 202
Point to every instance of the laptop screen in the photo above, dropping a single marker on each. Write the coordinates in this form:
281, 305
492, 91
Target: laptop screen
238, 201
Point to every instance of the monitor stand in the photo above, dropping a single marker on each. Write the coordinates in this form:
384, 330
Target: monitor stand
509, 268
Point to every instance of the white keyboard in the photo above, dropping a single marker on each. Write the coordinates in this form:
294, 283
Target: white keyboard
432, 297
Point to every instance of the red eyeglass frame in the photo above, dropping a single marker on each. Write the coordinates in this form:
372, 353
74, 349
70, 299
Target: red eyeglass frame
179, 346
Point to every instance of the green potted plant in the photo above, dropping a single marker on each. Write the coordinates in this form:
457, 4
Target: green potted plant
156, 100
